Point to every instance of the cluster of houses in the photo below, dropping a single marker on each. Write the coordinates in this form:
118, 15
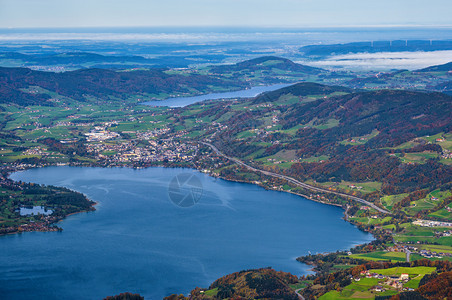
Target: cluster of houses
433, 254
100, 135
45, 224
263, 105
425, 253
36, 151
429, 223
156, 150
446, 154
69, 123
387, 282
55, 69
352, 186
443, 233
150, 134
356, 140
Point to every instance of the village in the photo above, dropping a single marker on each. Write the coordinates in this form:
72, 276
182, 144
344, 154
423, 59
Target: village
429, 223
144, 149
409, 250
45, 224
386, 282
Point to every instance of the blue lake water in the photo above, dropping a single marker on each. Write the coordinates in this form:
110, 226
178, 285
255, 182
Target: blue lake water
184, 101
139, 241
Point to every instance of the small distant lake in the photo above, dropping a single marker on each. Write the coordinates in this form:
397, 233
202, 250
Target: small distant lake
139, 241
248, 93
24, 211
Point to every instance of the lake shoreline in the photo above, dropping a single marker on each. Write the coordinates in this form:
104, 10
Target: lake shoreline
172, 167
249, 92
49, 225
311, 268
351, 242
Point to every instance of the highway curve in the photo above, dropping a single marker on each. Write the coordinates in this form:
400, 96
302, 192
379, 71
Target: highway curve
294, 181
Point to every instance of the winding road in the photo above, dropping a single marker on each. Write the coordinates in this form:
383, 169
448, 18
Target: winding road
300, 296
294, 181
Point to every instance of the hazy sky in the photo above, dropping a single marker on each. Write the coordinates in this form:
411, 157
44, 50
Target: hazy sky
77, 13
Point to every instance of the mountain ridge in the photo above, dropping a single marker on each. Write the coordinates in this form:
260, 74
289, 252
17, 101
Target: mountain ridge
99, 83
267, 63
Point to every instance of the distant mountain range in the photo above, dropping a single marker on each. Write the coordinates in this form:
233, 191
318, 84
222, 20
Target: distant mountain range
445, 87
434, 78
24, 86
81, 60
439, 68
374, 47
267, 70
106, 84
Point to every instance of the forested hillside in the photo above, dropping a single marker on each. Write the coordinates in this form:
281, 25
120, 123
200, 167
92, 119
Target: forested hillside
249, 284
333, 134
266, 63
393, 117
19, 85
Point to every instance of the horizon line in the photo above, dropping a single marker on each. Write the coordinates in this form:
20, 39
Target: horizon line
237, 26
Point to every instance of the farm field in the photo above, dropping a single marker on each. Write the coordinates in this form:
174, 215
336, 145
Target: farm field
367, 288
